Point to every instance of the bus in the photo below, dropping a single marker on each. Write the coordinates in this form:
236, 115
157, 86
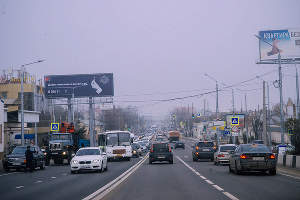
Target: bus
116, 144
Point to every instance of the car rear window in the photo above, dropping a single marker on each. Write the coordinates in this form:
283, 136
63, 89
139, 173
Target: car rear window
227, 148
205, 144
164, 147
255, 148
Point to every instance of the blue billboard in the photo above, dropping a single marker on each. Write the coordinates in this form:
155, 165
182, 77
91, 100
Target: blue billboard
79, 85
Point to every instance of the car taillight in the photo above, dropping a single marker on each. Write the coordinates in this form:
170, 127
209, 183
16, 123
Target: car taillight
197, 147
245, 157
270, 156
220, 155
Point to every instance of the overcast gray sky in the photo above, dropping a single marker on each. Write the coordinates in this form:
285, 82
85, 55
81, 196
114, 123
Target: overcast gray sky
157, 50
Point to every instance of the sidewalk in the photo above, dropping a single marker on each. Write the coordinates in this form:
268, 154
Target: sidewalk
288, 169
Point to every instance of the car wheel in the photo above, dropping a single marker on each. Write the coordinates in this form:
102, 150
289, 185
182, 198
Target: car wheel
230, 170
171, 162
272, 172
72, 172
47, 161
215, 162
150, 162
236, 171
101, 170
7, 169
43, 165
196, 159
105, 169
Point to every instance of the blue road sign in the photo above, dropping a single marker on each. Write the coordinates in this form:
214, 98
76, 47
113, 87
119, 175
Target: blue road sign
54, 126
234, 121
227, 132
290, 132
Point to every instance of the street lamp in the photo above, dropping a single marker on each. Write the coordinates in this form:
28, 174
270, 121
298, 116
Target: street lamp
22, 101
280, 89
217, 104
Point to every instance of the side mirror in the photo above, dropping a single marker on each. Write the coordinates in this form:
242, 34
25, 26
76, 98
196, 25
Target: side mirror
192, 146
103, 153
73, 154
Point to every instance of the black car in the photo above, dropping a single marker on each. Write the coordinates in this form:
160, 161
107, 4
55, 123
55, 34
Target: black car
203, 150
179, 144
16, 160
161, 152
252, 157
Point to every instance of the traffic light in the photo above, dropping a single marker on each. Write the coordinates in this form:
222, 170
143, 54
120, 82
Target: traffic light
193, 116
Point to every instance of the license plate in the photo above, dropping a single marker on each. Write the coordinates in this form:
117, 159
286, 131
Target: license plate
54, 153
119, 154
87, 166
258, 158
160, 156
206, 149
16, 163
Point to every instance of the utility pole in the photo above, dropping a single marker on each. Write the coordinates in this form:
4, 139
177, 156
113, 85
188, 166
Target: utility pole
264, 115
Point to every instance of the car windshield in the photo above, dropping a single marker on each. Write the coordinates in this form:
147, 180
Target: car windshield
84, 152
227, 148
142, 143
60, 137
20, 150
161, 147
205, 144
255, 148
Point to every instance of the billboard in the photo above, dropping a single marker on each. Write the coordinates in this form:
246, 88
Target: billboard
286, 41
81, 85
241, 120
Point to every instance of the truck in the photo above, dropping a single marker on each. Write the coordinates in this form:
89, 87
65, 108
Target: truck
174, 136
62, 144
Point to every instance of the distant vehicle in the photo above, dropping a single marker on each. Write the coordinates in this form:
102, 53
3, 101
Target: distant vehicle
222, 154
17, 160
258, 142
143, 145
179, 144
116, 144
203, 150
174, 136
161, 152
160, 139
89, 159
136, 149
252, 157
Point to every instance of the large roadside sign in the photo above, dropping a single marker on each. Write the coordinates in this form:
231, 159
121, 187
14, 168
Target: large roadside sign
54, 126
236, 120
79, 85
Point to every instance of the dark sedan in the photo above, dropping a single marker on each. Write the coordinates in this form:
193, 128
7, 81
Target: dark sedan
161, 152
16, 160
179, 144
252, 157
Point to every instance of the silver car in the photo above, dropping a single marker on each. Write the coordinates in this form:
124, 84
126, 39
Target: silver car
222, 154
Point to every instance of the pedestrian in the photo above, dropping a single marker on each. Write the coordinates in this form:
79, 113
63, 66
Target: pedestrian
29, 160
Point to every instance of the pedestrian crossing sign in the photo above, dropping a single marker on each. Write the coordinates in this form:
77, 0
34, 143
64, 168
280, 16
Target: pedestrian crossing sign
54, 126
234, 121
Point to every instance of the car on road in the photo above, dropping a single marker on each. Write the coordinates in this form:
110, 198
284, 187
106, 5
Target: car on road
17, 160
252, 157
143, 145
89, 159
136, 149
222, 153
258, 142
179, 144
203, 150
161, 152
160, 139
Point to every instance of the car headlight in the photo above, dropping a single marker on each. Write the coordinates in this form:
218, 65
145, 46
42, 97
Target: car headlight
97, 161
74, 161
134, 152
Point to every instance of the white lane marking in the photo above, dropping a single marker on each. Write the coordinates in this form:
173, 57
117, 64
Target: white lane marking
65, 174
38, 181
53, 177
8, 174
209, 182
98, 195
19, 187
218, 187
230, 196
289, 175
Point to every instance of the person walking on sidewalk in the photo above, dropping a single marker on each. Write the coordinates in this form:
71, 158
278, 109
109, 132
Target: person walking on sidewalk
29, 159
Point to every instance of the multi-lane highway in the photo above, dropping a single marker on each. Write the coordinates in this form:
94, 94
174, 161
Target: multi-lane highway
137, 179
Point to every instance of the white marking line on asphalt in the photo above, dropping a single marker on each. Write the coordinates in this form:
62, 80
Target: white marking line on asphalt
209, 182
97, 194
289, 175
53, 177
38, 181
197, 173
9, 174
65, 174
19, 187
230, 196
218, 187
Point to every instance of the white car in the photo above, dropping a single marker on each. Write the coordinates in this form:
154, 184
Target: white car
223, 153
90, 158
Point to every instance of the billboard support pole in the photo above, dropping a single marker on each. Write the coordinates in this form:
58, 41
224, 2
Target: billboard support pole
91, 128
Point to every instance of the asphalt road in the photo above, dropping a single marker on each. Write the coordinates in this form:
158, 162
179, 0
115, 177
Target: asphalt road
137, 179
